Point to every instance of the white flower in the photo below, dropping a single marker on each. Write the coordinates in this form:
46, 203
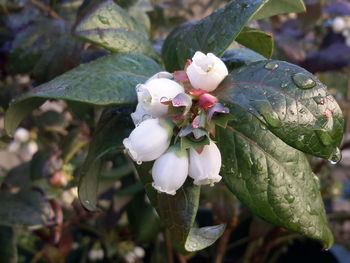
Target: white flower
21, 135
160, 75
206, 71
205, 167
170, 171
339, 24
149, 140
153, 92
140, 115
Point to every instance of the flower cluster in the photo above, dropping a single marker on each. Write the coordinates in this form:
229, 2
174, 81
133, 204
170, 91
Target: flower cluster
175, 119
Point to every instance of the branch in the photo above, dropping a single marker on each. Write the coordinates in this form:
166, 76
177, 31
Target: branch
45, 8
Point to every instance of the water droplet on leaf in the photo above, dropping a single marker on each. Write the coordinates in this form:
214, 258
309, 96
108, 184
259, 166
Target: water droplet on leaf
271, 65
336, 156
284, 85
302, 110
272, 119
303, 82
324, 137
104, 20
262, 126
308, 208
211, 39
319, 100
289, 197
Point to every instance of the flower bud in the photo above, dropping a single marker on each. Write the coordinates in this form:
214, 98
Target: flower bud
206, 101
206, 71
140, 115
151, 95
205, 166
170, 171
149, 140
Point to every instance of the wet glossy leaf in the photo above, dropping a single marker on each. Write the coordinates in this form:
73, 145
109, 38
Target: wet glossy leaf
114, 125
28, 207
105, 81
273, 179
111, 27
178, 214
275, 7
66, 54
239, 57
213, 33
30, 43
256, 40
291, 102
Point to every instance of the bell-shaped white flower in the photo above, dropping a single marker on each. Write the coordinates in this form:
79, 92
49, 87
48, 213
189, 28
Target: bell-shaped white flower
205, 166
149, 140
140, 115
170, 171
206, 71
160, 75
151, 95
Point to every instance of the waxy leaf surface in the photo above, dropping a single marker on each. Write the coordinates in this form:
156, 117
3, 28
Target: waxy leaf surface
291, 102
110, 80
256, 40
111, 27
271, 178
213, 33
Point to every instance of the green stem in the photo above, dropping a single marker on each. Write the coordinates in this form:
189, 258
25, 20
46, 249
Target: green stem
169, 246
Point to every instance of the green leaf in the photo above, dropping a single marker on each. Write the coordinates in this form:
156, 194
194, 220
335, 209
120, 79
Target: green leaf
66, 52
275, 7
273, 179
31, 42
110, 80
27, 207
213, 33
256, 40
239, 57
8, 247
114, 125
178, 214
148, 228
111, 27
282, 96
40, 43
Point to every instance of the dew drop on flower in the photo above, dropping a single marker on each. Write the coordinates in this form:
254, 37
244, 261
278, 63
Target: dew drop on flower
163, 99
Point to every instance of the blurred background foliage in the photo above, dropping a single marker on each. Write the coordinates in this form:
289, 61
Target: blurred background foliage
41, 219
